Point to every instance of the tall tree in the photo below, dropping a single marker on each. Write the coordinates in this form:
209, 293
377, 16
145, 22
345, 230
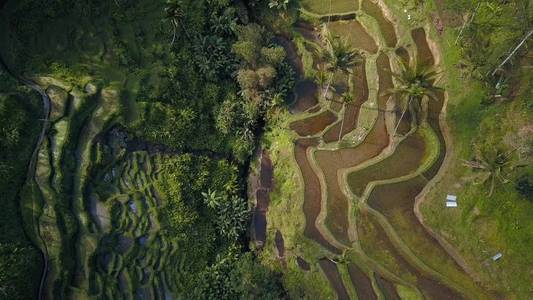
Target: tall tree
337, 55
493, 165
174, 13
416, 84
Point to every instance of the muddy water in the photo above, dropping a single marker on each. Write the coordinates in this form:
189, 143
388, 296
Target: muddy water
405, 122
306, 96
332, 273
266, 171
386, 27
403, 54
262, 196
330, 162
385, 78
387, 288
361, 283
259, 219
355, 34
312, 192
314, 124
424, 55
302, 264
280, 247
352, 110
395, 202
350, 123
405, 160
374, 237
305, 90
306, 30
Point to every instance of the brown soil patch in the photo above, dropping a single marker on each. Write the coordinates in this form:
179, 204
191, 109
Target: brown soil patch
405, 160
387, 287
314, 124
306, 96
356, 35
403, 54
361, 282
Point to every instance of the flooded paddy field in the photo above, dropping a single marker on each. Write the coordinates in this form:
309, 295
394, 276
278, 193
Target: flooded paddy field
330, 142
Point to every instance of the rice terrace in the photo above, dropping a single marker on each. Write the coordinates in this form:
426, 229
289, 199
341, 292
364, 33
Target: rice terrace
280, 149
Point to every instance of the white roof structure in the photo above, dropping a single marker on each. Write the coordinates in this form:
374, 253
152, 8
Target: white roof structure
451, 204
451, 198
497, 256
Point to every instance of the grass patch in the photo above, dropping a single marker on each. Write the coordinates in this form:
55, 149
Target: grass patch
323, 8
286, 215
482, 226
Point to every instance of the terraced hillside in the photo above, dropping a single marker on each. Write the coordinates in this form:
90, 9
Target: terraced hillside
95, 206
352, 181
102, 203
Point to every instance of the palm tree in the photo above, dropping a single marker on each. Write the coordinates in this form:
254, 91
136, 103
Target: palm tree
174, 13
494, 166
417, 82
278, 4
337, 55
211, 198
347, 97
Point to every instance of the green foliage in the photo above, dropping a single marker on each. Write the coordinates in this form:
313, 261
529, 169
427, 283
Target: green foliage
416, 83
238, 277
164, 123
232, 217
497, 27
263, 77
278, 4
17, 269
494, 165
524, 186
19, 260
176, 62
202, 190
338, 54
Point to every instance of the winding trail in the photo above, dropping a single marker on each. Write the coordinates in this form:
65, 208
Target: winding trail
30, 174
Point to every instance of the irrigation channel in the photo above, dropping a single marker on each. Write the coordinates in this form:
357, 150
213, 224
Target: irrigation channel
360, 183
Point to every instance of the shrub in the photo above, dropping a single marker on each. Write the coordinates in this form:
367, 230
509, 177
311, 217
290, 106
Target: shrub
524, 186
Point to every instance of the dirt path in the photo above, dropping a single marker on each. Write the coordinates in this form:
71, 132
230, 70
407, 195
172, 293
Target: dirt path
30, 174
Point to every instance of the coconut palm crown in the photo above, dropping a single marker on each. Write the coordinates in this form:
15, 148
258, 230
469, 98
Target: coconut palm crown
493, 166
339, 55
416, 83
